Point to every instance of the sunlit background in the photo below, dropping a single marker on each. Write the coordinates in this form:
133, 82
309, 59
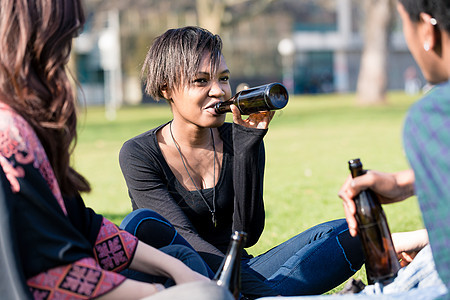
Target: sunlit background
311, 46
332, 55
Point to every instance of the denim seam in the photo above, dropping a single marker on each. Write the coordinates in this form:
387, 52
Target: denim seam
278, 283
343, 251
158, 220
292, 270
273, 253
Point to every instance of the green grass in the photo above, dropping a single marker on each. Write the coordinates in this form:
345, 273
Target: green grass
308, 146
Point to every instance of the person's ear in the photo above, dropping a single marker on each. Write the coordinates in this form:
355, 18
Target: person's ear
430, 33
166, 92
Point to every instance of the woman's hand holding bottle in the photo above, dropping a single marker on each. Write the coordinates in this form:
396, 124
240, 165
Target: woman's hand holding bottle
259, 120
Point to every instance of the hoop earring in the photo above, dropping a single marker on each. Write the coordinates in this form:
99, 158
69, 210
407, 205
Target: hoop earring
426, 46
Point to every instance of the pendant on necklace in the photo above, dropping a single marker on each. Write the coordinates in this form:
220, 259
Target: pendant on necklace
213, 218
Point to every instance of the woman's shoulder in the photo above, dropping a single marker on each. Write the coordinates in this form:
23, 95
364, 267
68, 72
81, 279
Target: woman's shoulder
147, 138
143, 146
21, 146
436, 102
16, 132
9, 117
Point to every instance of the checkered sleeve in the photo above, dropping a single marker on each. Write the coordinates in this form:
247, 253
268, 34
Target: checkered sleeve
427, 145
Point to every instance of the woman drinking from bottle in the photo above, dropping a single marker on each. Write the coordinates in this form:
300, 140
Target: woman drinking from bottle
201, 178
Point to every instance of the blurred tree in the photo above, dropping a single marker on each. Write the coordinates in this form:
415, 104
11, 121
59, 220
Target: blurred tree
143, 20
372, 80
251, 30
212, 14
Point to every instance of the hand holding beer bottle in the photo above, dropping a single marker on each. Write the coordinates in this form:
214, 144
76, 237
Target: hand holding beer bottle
381, 259
260, 103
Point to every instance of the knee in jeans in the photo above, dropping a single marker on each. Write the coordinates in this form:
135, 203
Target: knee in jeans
149, 227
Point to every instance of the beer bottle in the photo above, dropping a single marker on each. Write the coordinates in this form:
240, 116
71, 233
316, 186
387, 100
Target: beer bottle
229, 273
271, 96
381, 259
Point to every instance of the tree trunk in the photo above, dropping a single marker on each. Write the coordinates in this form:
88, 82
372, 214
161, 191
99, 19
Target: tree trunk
372, 80
210, 14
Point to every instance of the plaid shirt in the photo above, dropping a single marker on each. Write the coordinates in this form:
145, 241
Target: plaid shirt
427, 144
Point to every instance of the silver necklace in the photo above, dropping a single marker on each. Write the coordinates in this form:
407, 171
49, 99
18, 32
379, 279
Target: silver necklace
213, 210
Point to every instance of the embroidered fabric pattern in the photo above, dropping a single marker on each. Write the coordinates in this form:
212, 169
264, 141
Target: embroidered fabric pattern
19, 144
83, 279
114, 248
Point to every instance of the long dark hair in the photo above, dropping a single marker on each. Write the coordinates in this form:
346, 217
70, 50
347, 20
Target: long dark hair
35, 44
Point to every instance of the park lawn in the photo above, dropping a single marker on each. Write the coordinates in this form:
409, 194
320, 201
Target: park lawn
307, 148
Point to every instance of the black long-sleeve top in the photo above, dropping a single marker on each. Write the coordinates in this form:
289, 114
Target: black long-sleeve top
239, 192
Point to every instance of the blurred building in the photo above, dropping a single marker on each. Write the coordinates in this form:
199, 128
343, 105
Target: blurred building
328, 44
313, 46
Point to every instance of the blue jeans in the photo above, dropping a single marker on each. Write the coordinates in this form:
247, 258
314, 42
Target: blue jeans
154, 230
142, 222
312, 262
417, 281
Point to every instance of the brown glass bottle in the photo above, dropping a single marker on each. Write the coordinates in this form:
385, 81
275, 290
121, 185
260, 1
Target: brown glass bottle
266, 97
229, 273
381, 259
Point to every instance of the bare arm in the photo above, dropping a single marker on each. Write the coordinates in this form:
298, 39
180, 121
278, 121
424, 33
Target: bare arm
412, 241
152, 261
408, 244
390, 188
132, 289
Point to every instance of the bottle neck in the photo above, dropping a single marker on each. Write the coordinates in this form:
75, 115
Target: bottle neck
224, 107
357, 172
228, 274
356, 167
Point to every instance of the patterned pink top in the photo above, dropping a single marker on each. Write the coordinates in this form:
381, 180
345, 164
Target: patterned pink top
88, 277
